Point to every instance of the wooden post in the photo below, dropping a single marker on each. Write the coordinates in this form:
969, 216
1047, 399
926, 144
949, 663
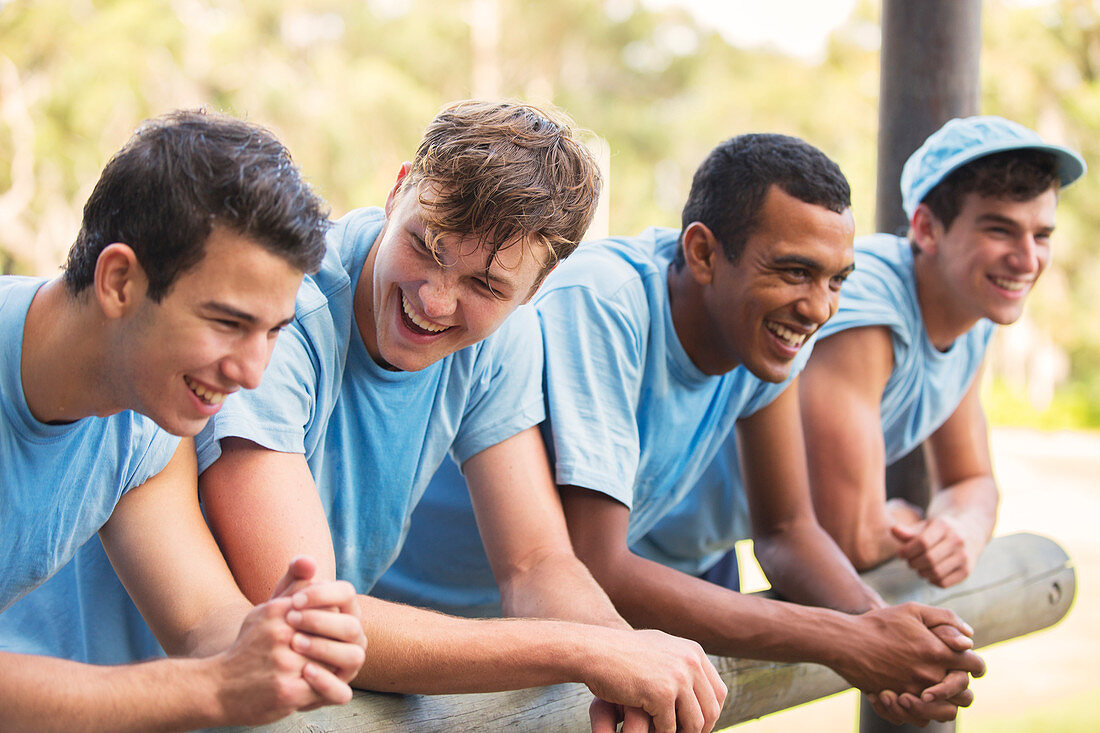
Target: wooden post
1021, 583
928, 74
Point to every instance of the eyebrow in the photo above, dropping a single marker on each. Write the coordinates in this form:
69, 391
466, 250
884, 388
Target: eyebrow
1007, 221
228, 310
497, 279
808, 262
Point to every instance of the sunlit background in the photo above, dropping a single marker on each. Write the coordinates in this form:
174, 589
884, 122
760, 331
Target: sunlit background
349, 85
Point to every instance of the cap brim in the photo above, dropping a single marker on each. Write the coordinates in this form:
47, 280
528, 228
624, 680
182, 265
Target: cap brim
1071, 166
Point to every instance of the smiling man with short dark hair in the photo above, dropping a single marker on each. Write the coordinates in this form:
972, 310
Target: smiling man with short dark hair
192, 247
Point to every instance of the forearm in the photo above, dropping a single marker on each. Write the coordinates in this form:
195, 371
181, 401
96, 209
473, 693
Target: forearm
865, 537
724, 622
414, 650
559, 586
805, 566
41, 694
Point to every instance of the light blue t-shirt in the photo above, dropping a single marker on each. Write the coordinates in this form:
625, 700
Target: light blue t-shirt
59, 485
706, 523
101, 625
926, 384
373, 437
629, 414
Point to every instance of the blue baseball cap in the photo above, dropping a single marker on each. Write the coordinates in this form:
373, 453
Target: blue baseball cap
964, 139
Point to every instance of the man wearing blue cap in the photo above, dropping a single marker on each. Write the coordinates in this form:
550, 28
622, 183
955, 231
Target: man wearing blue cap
898, 364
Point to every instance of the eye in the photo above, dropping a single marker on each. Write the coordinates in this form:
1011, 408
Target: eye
797, 274
837, 281
486, 288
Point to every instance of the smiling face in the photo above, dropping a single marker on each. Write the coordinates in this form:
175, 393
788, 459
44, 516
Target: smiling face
211, 334
759, 311
985, 264
414, 308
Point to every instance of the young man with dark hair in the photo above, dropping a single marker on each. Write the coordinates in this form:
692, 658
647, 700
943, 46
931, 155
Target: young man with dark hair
409, 344
899, 364
658, 347
192, 246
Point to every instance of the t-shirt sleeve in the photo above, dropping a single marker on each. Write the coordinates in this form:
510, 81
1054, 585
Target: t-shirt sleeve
280, 412
158, 448
594, 349
506, 389
872, 296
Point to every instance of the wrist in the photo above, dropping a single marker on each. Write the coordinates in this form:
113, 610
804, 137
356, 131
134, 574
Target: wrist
832, 639
583, 655
209, 695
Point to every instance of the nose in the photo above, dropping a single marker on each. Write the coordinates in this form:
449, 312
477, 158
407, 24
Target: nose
1025, 255
818, 305
437, 295
245, 366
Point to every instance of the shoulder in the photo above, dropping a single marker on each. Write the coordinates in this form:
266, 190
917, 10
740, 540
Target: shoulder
619, 280
607, 266
884, 264
143, 448
356, 225
16, 291
880, 291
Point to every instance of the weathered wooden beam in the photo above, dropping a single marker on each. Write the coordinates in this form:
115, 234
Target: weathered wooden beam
1022, 583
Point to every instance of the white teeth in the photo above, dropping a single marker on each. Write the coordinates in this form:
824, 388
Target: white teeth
421, 323
1010, 285
786, 334
208, 396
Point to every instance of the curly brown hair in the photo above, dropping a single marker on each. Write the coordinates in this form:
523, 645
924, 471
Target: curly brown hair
1013, 175
506, 173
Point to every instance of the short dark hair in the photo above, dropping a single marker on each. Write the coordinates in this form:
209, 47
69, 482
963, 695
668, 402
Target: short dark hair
178, 177
729, 187
504, 171
1014, 175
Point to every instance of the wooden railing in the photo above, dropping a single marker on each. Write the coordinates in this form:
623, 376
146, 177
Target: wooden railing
1022, 583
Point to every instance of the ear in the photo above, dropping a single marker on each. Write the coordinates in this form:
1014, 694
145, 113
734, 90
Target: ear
119, 280
402, 174
926, 229
701, 248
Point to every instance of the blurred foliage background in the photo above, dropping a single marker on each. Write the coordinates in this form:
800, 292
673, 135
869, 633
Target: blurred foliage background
349, 85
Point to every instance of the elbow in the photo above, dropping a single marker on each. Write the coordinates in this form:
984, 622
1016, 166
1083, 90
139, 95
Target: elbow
864, 545
867, 550
865, 541
768, 550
